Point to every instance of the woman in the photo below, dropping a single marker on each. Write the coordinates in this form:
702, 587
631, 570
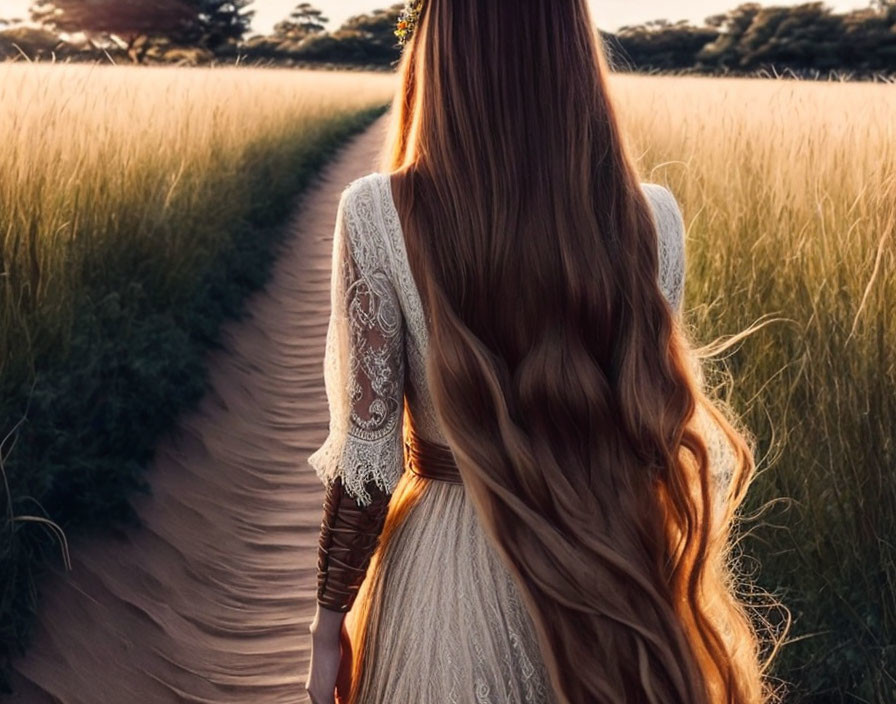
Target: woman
529, 495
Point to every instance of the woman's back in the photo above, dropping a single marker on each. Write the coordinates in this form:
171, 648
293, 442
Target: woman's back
438, 604
394, 329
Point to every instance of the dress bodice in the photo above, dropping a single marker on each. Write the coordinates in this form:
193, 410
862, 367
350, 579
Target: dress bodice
378, 333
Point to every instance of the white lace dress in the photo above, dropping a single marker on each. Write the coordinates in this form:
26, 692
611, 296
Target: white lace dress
438, 618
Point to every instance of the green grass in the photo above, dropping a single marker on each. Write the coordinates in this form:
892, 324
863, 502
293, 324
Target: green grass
138, 208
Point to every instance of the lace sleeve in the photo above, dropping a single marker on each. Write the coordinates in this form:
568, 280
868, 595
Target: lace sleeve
364, 364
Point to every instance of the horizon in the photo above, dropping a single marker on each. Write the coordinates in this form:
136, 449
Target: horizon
609, 15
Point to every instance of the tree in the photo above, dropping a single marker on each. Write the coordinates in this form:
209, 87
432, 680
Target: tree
140, 24
869, 38
304, 21
715, 21
724, 51
33, 42
659, 44
219, 22
807, 36
362, 39
134, 22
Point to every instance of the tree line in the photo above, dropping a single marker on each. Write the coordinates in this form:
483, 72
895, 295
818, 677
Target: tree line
809, 36
749, 38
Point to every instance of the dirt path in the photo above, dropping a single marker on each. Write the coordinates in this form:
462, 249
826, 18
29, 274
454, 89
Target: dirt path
211, 600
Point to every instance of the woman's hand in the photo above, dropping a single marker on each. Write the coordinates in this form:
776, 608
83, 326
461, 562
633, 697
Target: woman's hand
329, 671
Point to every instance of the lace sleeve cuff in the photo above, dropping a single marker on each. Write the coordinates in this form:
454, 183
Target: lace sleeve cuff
360, 463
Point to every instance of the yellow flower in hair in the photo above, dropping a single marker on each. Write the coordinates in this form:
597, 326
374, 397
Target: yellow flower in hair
407, 21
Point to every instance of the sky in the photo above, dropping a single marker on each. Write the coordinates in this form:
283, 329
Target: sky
608, 14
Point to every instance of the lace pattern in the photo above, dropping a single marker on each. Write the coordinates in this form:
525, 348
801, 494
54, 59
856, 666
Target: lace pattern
417, 342
364, 364
520, 675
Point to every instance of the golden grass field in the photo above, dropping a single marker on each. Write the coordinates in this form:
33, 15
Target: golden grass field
138, 209
99, 157
788, 189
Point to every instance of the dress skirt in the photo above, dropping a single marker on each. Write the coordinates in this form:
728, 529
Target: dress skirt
438, 617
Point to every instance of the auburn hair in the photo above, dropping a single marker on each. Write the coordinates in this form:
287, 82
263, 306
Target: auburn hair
565, 384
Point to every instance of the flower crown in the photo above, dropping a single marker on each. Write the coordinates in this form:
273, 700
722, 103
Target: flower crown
407, 21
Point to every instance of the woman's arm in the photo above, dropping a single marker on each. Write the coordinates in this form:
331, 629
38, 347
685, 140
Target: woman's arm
349, 535
671, 242
362, 458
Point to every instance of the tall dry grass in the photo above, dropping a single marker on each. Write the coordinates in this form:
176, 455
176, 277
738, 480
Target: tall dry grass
130, 180
102, 164
138, 208
789, 194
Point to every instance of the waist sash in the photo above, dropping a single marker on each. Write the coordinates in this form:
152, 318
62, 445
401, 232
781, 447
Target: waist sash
428, 459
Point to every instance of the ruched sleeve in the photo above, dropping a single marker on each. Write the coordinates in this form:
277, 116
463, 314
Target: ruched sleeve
364, 364
671, 243
671, 232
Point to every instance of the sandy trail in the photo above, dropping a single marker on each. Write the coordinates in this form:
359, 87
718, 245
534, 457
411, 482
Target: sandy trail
211, 600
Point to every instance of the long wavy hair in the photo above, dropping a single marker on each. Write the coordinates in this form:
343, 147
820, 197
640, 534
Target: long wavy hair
565, 384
